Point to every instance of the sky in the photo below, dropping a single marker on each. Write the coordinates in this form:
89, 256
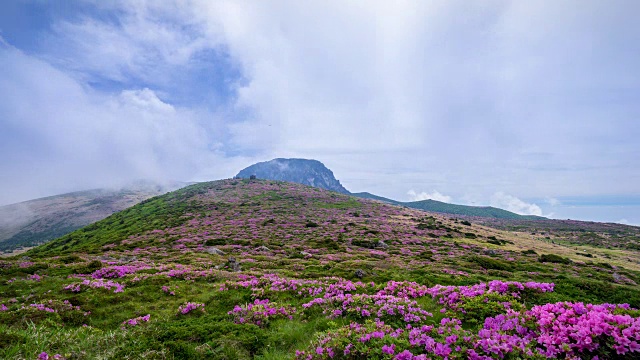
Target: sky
531, 106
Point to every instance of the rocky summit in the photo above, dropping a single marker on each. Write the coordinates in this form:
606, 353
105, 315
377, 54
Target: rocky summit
301, 171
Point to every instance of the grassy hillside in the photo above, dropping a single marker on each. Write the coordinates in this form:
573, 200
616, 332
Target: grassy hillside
240, 269
445, 208
37, 221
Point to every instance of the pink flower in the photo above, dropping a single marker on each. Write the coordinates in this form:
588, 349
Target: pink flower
389, 349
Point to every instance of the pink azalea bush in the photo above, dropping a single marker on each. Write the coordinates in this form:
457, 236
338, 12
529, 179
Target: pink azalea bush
189, 307
136, 321
260, 312
95, 284
364, 306
560, 330
44, 356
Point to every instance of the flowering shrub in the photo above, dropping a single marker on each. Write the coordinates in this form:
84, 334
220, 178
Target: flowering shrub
118, 271
167, 290
95, 284
44, 356
136, 321
188, 307
260, 312
391, 308
455, 298
54, 310
561, 330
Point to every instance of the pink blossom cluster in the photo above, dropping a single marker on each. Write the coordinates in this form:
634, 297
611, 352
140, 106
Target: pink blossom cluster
44, 356
575, 328
365, 306
3, 307
260, 312
455, 272
136, 321
117, 271
167, 290
53, 306
452, 296
35, 277
560, 330
303, 287
94, 284
189, 306
41, 307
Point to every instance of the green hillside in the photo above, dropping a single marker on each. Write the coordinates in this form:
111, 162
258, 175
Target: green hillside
256, 269
445, 208
482, 211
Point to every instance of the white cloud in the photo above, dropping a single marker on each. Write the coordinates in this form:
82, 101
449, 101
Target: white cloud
57, 135
435, 195
513, 204
552, 201
626, 222
147, 39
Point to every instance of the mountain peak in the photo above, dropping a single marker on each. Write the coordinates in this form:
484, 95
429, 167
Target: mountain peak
303, 171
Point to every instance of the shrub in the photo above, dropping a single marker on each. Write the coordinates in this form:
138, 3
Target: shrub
553, 258
214, 242
489, 263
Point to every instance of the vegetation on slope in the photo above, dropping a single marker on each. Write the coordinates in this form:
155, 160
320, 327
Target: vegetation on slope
279, 268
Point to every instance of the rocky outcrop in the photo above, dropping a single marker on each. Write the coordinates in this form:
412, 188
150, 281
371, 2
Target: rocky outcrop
302, 171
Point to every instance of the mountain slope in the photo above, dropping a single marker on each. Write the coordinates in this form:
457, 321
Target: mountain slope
301, 171
263, 269
37, 221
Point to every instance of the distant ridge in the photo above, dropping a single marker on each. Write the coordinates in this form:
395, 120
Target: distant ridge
301, 171
37, 221
482, 211
446, 208
366, 195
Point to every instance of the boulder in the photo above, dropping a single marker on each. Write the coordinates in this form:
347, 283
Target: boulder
214, 251
381, 244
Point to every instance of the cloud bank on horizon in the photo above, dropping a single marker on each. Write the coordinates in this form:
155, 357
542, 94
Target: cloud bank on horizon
503, 103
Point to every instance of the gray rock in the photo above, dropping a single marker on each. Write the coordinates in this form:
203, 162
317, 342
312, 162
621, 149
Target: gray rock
262, 248
381, 244
214, 251
304, 253
302, 171
360, 273
127, 259
490, 252
233, 265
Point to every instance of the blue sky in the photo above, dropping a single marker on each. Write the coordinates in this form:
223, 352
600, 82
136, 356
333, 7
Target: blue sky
528, 106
